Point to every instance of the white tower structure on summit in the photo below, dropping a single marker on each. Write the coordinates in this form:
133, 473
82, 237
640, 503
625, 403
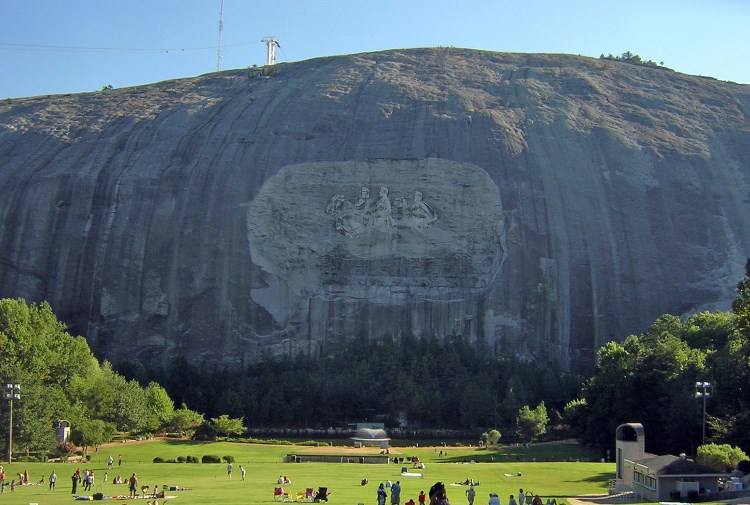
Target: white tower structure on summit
272, 44
221, 29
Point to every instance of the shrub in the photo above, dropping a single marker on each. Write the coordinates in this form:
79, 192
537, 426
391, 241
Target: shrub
210, 458
744, 466
181, 459
158, 459
720, 457
65, 449
228, 459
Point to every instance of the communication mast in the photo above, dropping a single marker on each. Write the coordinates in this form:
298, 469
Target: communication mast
221, 29
272, 44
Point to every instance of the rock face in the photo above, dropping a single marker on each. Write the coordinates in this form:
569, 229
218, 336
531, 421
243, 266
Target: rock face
539, 205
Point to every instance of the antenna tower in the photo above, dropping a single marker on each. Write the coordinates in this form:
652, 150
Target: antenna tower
221, 29
272, 44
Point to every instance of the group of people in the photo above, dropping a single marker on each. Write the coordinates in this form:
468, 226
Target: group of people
526, 498
111, 461
23, 479
436, 495
85, 479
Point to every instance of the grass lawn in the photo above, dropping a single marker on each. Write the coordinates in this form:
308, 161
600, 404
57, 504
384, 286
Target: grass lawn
503, 471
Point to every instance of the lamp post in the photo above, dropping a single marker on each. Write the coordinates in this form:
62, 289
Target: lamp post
703, 390
12, 392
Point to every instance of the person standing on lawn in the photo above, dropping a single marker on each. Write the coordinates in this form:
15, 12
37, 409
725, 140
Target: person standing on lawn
396, 493
133, 482
382, 495
470, 494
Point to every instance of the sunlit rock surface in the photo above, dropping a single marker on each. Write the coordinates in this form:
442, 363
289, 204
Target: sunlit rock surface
539, 205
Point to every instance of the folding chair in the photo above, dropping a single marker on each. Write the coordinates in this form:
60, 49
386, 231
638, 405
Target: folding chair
322, 494
309, 494
278, 493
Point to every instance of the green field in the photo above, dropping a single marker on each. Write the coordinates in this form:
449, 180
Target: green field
560, 471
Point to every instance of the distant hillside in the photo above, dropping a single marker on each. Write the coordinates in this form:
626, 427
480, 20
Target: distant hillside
563, 202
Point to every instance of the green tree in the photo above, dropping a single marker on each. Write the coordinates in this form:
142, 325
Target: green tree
722, 458
741, 304
96, 394
607, 394
61, 379
225, 425
491, 437
91, 433
515, 397
36, 352
160, 407
131, 409
185, 419
735, 369
35, 413
532, 423
574, 415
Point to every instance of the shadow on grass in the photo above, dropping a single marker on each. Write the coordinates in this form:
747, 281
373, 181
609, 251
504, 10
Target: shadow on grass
600, 478
184, 441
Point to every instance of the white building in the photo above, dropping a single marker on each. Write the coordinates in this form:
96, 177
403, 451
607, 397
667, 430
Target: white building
658, 478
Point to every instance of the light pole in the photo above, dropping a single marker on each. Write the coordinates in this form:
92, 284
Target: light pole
12, 392
703, 390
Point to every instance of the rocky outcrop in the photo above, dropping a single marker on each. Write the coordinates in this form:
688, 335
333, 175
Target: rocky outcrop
539, 205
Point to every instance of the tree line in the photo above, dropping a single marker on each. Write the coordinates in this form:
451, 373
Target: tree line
61, 379
406, 381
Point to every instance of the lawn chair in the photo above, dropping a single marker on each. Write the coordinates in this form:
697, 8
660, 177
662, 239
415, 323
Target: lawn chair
322, 494
278, 493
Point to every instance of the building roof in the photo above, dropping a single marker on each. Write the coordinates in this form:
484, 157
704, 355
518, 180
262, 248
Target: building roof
370, 434
674, 465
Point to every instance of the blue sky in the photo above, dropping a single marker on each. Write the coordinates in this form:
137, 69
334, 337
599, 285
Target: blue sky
57, 46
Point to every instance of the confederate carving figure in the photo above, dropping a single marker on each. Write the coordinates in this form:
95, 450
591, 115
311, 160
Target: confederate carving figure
422, 214
351, 219
363, 203
382, 218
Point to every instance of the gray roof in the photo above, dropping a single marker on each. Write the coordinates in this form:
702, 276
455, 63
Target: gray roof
674, 465
371, 434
